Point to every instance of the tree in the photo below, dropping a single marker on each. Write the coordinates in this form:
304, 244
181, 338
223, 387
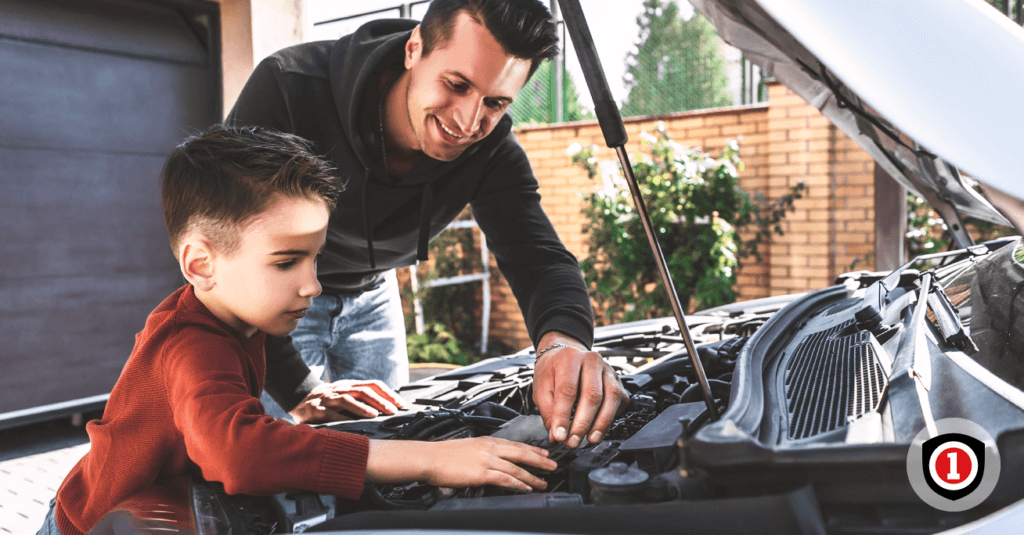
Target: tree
677, 65
531, 104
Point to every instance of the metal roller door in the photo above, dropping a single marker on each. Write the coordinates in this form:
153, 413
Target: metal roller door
93, 95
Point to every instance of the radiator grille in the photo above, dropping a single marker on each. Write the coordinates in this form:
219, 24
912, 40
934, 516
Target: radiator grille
829, 379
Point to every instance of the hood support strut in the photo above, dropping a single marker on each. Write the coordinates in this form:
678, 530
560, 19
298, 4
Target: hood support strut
615, 137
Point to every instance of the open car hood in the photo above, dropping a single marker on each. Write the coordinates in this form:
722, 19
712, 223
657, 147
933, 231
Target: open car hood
908, 81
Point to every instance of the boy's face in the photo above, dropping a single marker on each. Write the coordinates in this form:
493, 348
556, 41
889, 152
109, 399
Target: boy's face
458, 92
269, 281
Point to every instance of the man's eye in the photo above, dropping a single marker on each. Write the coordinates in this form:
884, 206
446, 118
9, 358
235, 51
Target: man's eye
495, 104
458, 88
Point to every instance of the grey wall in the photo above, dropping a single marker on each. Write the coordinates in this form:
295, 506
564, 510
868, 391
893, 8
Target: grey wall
93, 95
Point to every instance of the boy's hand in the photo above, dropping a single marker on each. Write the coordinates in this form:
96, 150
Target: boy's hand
467, 462
364, 399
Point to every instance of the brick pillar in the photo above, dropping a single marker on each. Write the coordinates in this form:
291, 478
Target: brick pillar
832, 228
250, 31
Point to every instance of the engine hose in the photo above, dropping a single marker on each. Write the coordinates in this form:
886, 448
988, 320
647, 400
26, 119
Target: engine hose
491, 409
457, 419
719, 390
413, 428
436, 429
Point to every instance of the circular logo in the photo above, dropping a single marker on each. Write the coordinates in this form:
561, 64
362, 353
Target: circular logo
953, 465
956, 469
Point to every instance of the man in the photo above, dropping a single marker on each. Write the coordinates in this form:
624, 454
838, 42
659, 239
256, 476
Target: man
414, 118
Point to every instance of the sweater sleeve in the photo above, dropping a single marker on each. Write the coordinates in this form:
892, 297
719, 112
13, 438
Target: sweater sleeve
544, 276
229, 437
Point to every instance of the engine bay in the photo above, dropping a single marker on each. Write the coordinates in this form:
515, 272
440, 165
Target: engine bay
812, 430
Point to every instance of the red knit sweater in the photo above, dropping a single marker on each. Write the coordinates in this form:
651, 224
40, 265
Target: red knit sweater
187, 399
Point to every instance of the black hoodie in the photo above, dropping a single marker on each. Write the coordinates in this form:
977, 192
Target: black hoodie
328, 92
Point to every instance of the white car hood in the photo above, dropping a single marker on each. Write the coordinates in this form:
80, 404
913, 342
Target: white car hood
920, 83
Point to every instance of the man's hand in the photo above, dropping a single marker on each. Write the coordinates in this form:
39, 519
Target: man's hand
561, 376
364, 399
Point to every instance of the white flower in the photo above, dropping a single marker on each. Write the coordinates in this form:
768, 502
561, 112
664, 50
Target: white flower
573, 150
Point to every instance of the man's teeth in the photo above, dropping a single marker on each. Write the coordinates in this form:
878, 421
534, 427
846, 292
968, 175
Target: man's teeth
445, 128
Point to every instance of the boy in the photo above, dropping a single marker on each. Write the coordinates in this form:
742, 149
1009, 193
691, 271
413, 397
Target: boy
246, 213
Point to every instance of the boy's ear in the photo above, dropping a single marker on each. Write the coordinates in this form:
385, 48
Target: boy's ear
413, 48
196, 260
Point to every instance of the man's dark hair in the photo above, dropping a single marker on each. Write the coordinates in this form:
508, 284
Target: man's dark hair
218, 181
522, 27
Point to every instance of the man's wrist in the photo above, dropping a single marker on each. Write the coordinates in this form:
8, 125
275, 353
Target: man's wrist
555, 337
557, 345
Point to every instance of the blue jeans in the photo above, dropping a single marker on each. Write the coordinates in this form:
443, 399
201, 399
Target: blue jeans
50, 523
358, 335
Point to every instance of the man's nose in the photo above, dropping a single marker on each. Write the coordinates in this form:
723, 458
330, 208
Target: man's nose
469, 114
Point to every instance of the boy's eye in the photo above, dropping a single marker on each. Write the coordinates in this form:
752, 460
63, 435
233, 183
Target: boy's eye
286, 265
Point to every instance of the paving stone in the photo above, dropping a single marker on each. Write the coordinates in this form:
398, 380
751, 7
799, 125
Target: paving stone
27, 484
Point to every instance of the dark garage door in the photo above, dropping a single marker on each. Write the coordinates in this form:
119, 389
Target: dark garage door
93, 95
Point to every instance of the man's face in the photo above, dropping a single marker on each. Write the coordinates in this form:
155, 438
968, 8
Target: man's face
269, 281
458, 92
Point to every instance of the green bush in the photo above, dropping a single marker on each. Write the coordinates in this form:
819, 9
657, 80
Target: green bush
436, 344
697, 209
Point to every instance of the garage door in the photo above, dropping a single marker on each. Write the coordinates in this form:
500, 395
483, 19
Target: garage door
93, 95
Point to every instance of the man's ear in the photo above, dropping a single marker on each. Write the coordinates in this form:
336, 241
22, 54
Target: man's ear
413, 48
196, 260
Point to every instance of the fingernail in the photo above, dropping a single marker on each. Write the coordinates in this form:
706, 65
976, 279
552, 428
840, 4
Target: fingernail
595, 437
573, 441
560, 433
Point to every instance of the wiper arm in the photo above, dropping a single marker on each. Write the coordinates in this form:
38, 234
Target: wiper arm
913, 359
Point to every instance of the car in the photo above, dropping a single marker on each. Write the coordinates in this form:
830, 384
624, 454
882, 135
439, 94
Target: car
825, 403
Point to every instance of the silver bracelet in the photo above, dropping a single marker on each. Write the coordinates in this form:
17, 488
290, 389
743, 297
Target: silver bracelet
550, 347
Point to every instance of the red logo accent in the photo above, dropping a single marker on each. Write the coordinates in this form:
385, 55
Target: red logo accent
953, 465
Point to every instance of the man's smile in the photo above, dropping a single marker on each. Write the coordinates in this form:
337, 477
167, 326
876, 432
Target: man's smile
455, 138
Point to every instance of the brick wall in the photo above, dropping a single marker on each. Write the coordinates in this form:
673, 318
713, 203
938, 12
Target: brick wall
781, 143
833, 225
562, 184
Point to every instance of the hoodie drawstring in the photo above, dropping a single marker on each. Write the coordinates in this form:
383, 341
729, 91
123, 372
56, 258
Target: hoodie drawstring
426, 208
366, 222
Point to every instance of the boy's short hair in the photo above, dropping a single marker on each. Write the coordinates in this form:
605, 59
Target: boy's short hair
217, 181
522, 27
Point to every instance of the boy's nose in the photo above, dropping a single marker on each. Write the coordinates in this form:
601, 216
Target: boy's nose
310, 286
